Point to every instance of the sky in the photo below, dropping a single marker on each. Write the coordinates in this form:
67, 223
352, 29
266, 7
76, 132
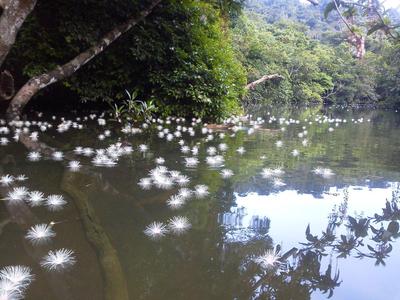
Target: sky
386, 3
391, 4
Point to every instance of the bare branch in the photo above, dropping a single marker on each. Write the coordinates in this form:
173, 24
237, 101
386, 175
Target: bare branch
252, 85
313, 2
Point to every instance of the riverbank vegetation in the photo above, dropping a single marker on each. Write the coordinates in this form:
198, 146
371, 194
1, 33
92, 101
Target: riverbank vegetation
199, 58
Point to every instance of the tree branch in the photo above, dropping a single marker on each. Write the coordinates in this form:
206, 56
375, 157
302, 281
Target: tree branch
11, 20
343, 18
252, 85
313, 2
59, 73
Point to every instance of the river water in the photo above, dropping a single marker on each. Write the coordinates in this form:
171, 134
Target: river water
309, 211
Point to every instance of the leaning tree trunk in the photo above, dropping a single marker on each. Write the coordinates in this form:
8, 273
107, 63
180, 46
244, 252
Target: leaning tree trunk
11, 20
39, 82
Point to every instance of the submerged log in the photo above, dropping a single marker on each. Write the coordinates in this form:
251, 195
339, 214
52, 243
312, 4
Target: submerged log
76, 185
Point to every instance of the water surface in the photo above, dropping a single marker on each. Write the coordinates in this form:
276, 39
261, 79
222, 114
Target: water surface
336, 235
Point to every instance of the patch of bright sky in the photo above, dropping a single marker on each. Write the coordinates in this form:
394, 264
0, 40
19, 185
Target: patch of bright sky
391, 4
386, 3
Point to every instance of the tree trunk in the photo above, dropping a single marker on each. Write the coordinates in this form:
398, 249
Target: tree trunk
11, 20
253, 84
39, 82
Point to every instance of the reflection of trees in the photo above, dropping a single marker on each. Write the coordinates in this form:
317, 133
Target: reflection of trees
302, 270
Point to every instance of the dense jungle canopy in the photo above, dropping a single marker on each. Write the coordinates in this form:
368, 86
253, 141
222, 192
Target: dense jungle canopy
197, 57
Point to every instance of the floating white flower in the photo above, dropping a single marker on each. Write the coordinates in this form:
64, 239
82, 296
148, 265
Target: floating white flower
201, 190
191, 162
163, 182
179, 225
17, 194
4, 141
160, 160
175, 174
34, 156
279, 144
40, 234
295, 152
184, 193
156, 230
103, 161
175, 202
21, 177
74, 165
55, 202
182, 180
185, 149
14, 280
11, 291
35, 198
78, 150
58, 260
226, 173
87, 151
57, 155
143, 148
223, 147
211, 150
6, 180
215, 161
145, 183
240, 150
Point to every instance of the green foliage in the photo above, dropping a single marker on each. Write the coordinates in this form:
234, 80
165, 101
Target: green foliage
388, 75
286, 50
180, 56
314, 57
132, 108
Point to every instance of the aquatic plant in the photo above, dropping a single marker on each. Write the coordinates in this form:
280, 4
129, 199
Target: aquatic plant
226, 173
55, 202
6, 180
191, 162
175, 202
19, 276
179, 225
58, 259
57, 155
41, 233
17, 194
240, 150
156, 230
35, 198
74, 165
14, 280
201, 190
34, 156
